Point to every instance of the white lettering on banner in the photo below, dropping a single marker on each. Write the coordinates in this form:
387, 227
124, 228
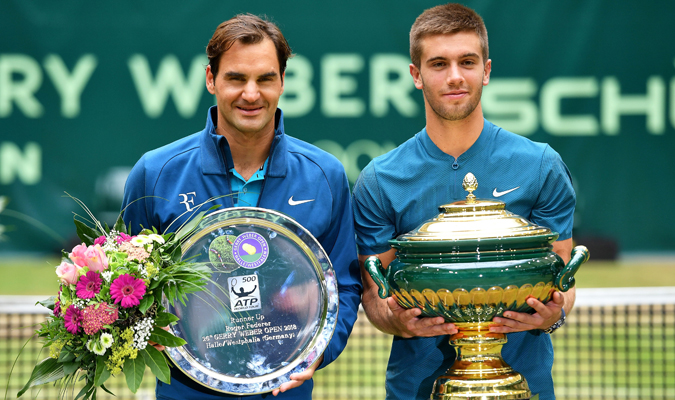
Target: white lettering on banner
70, 85
350, 156
652, 104
153, 93
553, 92
512, 103
299, 94
508, 103
26, 165
336, 85
20, 92
384, 90
390, 84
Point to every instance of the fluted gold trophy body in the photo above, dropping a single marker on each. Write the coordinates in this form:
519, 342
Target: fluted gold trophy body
471, 263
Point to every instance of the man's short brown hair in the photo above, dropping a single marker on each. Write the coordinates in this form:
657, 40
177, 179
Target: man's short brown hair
445, 19
247, 29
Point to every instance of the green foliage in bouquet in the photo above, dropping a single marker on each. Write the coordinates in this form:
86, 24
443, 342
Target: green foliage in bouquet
109, 306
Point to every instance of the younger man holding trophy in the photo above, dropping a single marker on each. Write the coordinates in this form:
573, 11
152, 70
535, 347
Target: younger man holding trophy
401, 189
243, 158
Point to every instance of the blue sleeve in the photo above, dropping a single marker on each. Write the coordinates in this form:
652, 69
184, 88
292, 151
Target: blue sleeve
135, 202
347, 271
373, 226
554, 207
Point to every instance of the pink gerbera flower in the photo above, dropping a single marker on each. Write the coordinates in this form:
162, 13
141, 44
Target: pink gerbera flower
89, 285
100, 240
73, 319
127, 290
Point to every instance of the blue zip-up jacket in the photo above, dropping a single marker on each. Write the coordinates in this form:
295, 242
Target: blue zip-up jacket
167, 182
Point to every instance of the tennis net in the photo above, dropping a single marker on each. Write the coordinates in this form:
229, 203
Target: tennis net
618, 343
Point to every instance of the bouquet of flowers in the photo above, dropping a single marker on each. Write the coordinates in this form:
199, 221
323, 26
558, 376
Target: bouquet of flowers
109, 306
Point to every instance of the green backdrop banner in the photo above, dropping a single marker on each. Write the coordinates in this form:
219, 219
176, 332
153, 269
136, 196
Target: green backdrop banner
87, 87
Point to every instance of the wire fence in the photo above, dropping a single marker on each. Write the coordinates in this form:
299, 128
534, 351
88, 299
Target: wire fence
617, 344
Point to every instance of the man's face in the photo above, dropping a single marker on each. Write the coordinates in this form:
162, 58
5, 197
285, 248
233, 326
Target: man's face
452, 74
247, 88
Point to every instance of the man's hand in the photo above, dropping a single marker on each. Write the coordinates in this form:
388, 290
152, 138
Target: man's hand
298, 379
409, 324
545, 316
391, 318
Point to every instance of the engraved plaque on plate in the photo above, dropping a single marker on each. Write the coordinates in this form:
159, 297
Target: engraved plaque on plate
272, 306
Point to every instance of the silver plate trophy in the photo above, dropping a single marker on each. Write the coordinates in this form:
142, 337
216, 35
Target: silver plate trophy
273, 306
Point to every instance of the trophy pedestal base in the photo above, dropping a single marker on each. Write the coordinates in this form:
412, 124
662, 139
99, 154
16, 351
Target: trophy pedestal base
479, 372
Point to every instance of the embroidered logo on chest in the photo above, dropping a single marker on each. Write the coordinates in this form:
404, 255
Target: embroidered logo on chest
188, 200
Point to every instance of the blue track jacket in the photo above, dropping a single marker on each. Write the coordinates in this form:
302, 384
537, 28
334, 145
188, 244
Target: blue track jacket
167, 182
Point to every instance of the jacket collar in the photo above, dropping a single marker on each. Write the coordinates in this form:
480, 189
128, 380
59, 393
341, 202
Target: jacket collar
217, 157
477, 147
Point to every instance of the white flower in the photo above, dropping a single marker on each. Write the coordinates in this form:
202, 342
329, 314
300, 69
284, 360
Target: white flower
80, 303
110, 242
98, 348
107, 340
107, 275
157, 238
110, 246
142, 331
141, 240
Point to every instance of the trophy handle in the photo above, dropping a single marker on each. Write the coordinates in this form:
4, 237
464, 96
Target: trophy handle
565, 278
374, 267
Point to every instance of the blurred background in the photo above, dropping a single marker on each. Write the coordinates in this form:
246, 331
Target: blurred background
87, 87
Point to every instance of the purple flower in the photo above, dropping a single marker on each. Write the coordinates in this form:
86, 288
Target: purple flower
127, 290
100, 240
123, 237
57, 309
57, 304
73, 319
89, 285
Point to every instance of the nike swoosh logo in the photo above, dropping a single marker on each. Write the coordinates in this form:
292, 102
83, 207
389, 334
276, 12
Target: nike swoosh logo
295, 203
495, 193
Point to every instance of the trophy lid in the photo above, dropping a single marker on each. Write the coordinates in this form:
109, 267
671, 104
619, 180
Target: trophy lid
474, 219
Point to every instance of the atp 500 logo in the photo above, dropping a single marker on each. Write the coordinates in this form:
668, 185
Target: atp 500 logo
244, 293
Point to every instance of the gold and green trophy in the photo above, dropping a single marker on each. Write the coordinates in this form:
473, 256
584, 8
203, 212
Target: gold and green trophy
471, 263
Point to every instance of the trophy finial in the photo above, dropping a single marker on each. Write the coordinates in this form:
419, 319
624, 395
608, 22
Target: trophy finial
470, 184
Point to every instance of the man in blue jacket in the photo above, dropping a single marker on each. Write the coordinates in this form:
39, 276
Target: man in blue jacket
244, 158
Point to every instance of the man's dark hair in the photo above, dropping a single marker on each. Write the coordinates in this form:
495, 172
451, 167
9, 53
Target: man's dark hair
445, 19
247, 29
